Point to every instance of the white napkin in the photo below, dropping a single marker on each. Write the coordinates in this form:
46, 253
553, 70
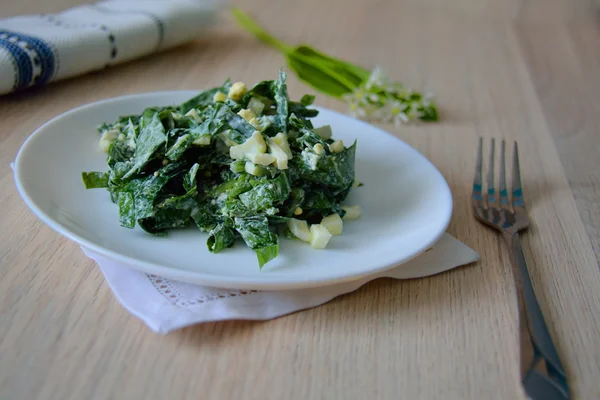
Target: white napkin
37, 49
165, 305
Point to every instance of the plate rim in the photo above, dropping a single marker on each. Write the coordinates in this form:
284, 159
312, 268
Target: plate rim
201, 278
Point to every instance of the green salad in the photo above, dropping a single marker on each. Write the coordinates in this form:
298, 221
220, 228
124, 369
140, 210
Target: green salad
235, 163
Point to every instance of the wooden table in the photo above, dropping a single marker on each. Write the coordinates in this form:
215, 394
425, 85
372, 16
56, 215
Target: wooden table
514, 69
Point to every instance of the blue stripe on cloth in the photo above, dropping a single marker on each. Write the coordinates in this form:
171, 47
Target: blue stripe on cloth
24, 67
46, 56
43, 53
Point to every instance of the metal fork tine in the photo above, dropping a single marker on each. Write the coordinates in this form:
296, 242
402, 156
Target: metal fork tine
491, 191
517, 190
476, 197
503, 192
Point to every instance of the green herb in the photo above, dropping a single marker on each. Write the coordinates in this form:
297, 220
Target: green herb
126, 209
368, 94
152, 136
221, 238
93, 180
258, 236
173, 167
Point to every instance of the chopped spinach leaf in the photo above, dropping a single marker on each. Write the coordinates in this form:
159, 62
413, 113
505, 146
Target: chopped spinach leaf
152, 136
94, 180
307, 99
258, 236
221, 237
126, 209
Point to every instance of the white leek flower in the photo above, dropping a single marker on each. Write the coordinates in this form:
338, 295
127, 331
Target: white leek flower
380, 100
356, 110
378, 78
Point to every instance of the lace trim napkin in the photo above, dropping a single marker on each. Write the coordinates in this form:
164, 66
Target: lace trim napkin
166, 305
37, 49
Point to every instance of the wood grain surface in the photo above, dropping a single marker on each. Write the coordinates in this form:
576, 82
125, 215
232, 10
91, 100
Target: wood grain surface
514, 69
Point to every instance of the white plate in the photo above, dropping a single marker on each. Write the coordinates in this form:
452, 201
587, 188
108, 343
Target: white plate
406, 204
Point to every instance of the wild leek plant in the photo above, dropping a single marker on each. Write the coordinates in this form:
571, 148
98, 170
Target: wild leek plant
370, 95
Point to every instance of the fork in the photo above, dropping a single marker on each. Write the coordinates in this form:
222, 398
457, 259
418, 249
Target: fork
542, 373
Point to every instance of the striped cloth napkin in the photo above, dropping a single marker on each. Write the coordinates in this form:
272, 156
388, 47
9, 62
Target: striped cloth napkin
38, 49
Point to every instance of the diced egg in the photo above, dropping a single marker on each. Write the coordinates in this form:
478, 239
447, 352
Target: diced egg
324, 132
261, 158
253, 169
203, 140
193, 114
282, 141
333, 223
237, 152
320, 236
237, 91
104, 145
261, 146
110, 135
246, 114
337, 146
254, 144
256, 106
256, 124
298, 211
281, 158
352, 212
299, 228
219, 97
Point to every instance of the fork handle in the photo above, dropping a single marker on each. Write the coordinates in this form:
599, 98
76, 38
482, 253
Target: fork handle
533, 329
